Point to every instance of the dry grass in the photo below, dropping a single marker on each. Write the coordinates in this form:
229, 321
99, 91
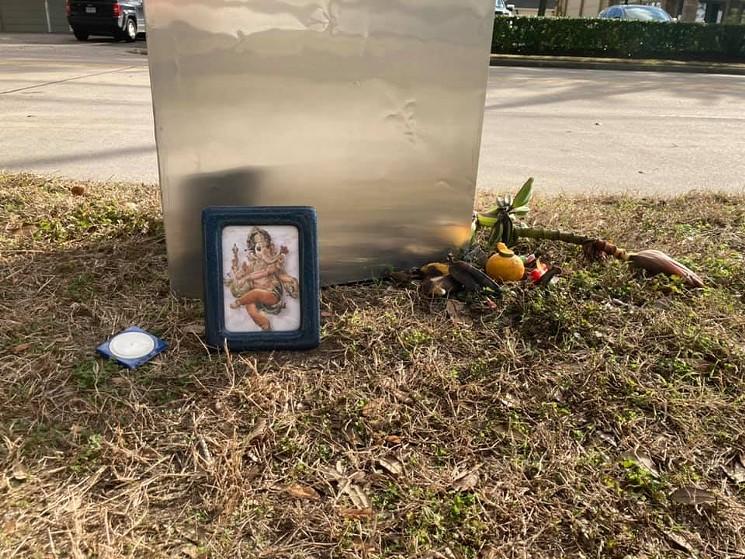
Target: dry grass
403, 435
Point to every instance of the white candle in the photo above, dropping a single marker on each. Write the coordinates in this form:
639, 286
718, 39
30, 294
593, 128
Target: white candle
131, 345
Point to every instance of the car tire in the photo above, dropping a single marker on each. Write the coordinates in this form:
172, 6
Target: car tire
80, 35
130, 31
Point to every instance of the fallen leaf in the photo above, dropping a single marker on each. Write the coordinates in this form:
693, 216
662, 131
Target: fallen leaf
331, 474
401, 396
357, 514
350, 435
679, 541
455, 311
191, 551
204, 451
77, 190
356, 495
606, 438
466, 480
393, 439
391, 464
692, 496
509, 401
371, 408
643, 459
656, 262
736, 469
326, 314
20, 472
20, 348
298, 491
258, 431
359, 475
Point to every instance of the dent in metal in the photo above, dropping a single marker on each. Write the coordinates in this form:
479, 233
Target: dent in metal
369, 110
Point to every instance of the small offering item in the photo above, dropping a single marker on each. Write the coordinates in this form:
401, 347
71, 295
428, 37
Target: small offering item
505, 265
132, 347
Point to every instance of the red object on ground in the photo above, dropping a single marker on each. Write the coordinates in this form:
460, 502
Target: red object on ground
539, 271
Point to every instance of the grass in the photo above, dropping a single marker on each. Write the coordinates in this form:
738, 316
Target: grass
558, 424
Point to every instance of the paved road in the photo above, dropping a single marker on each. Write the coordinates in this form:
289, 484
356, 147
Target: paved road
611, 131
83, 110
78, 110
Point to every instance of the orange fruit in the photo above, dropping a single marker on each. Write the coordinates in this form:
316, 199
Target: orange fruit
505, 265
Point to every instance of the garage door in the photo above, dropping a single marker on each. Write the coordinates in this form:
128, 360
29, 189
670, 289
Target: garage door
30, 16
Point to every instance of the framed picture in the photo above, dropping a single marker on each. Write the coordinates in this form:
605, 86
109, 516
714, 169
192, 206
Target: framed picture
261, 278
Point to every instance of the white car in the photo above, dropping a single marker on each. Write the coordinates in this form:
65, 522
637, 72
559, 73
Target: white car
502, 9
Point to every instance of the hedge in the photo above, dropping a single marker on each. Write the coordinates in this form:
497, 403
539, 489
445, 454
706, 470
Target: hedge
620, 39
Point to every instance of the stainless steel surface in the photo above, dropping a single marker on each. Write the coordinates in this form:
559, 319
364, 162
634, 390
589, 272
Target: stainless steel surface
369, 110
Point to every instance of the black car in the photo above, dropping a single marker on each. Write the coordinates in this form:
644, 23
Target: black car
121, 19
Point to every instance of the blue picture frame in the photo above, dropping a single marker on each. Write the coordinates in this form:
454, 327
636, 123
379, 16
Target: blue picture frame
214, 222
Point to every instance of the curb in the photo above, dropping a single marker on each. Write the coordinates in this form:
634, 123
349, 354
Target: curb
642, 65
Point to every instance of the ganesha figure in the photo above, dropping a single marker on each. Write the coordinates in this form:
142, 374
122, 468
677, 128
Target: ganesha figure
259, 283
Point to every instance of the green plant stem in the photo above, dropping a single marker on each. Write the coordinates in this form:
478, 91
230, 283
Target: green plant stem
552, 235
567, 237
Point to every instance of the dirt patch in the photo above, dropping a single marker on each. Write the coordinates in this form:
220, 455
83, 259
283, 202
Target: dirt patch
602, 417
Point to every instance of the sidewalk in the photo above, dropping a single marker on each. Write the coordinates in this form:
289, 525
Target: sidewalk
35, 38
644, 65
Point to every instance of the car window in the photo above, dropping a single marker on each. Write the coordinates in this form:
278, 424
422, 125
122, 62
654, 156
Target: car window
612, 12
645, 13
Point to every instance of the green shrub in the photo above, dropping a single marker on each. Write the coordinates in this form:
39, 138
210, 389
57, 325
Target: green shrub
620, 39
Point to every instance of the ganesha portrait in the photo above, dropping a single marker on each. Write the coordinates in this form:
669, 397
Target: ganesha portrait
262, 287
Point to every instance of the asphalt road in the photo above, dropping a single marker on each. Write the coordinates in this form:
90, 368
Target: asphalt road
84, 111
77, 110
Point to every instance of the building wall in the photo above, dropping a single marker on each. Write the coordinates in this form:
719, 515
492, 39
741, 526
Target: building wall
532, 4
33, 16
581, 8
533, 12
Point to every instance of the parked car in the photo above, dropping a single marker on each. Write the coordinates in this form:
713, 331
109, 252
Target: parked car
121, 19
636, 12
503, 9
